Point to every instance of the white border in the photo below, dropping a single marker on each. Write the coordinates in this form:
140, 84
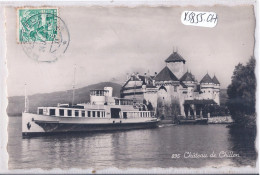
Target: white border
129, 3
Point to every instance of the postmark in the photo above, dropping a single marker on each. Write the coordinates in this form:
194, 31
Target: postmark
43, 35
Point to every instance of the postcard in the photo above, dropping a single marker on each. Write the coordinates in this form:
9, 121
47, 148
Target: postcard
129, 88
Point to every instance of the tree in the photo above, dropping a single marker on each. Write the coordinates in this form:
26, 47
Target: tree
241, 94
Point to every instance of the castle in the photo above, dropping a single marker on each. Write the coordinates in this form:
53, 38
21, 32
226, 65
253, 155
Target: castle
173, 91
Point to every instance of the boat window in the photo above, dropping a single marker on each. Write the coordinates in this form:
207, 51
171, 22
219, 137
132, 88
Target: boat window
98, 113
93, 114
115, 112
61, 112
40, 111
89, 114
125, 114
83, 113
76, 113
52, 111
69, 112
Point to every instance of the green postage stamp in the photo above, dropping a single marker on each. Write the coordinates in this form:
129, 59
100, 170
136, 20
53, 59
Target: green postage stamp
37, 24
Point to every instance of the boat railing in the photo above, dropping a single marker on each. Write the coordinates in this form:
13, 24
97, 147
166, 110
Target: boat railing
138, 114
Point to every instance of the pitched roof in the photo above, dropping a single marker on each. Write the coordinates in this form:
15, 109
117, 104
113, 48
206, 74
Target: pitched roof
206, 79
215, 80
187, 77
165, 75
140, 78
175, 57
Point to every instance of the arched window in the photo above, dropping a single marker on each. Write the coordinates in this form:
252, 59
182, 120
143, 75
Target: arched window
162, 87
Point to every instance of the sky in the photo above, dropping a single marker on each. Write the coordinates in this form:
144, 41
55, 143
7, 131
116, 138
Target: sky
106, 43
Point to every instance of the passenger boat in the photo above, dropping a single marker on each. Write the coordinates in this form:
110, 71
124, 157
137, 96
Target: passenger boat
103, 113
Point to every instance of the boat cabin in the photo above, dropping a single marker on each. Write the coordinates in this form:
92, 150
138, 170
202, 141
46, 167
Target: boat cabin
102, 105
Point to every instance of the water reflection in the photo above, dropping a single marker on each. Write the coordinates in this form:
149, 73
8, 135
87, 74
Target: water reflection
137, 148
243, 143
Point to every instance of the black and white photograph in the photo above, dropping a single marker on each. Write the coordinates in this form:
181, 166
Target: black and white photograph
136, 89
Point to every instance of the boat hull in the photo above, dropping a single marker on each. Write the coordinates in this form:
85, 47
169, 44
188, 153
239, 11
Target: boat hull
35, 125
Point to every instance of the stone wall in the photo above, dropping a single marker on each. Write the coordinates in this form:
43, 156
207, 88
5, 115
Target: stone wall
220, 120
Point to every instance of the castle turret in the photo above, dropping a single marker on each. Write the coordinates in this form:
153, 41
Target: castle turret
216, 90
189, 80
207, 87
175, 63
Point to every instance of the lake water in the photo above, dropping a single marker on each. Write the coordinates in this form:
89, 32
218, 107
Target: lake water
128, 149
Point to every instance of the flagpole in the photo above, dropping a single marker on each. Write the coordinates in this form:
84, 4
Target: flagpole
25, 99
74, 82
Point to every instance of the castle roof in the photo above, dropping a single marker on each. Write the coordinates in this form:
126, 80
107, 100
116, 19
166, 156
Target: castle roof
206, 79
175, 57
142, 78
165, 75
215, 80
187, 77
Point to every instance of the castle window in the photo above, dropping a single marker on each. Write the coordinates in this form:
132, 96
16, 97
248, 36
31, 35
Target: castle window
209, 91
175, 88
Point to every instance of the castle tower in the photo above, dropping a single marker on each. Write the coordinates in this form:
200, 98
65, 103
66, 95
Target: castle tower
216, 90
168, 102
175, 63
189, 80
207, 87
